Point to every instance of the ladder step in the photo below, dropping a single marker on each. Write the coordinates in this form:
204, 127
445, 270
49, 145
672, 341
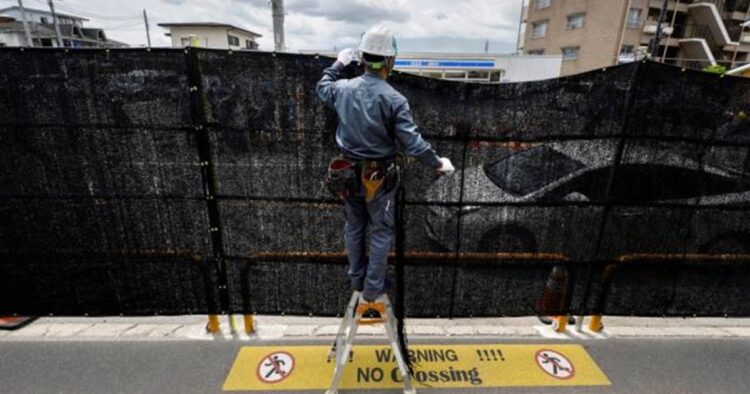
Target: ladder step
375, 306
371, 321
348, 331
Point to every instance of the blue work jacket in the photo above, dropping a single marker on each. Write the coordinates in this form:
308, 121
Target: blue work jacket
374, 119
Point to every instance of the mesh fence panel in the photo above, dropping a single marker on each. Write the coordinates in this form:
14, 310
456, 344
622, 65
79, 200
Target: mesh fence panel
175, 181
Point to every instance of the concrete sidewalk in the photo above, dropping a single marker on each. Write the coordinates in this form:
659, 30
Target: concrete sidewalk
306, 328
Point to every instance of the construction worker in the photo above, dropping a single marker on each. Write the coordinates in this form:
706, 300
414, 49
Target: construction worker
375, 124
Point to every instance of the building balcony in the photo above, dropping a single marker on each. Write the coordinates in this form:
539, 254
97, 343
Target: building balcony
707, 13
650, 28
697, 49
682, 7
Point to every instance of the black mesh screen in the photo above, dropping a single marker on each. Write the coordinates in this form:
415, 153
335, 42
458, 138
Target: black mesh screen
190, 181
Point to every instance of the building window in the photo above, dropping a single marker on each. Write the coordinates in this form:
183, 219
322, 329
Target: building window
627, 54
250, 44
543, 4
43, 19
634, 18
539, 29
575, 21
186, 41
233, 40
535, 52
570, 53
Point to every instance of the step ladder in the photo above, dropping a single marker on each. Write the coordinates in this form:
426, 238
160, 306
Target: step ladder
342, 347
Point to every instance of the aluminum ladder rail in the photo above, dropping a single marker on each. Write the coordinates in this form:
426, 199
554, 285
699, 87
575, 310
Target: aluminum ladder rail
342, 347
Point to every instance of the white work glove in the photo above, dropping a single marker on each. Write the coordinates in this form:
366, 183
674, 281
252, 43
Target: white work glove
346, 56
446, 167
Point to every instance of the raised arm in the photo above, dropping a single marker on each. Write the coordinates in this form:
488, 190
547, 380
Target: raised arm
326, 87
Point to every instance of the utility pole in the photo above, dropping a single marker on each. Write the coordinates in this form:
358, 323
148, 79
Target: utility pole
739, 39
26, 30
671, 26
659, 28
148, 34
486, 45
54, 21
520, 25
277, 8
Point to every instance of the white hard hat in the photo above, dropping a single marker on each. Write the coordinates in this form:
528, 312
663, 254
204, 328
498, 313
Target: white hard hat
379, 41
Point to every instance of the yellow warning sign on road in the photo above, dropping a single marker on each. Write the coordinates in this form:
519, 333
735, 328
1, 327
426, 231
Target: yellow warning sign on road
269, 368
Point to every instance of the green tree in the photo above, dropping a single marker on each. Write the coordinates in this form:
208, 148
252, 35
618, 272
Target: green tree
715, 68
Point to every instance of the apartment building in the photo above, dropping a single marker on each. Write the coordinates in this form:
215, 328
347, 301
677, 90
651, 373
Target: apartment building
591, 34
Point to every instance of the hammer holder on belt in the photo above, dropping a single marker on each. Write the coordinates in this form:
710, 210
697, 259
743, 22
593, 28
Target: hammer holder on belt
373, 177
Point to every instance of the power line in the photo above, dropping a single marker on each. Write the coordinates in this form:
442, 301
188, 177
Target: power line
95, 15
122, 26
82, 13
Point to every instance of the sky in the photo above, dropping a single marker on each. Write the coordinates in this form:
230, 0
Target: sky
419, 25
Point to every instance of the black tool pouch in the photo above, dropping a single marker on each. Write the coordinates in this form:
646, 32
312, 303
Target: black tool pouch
342, 178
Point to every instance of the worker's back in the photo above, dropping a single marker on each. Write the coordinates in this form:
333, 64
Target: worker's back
367, 108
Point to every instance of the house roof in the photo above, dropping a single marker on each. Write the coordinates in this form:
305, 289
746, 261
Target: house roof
209, 24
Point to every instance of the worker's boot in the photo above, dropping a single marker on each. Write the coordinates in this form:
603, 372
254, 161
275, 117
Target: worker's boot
372, 309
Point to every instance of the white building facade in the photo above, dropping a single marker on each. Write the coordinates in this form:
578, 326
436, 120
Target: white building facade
482, 67
476, 67
211, 35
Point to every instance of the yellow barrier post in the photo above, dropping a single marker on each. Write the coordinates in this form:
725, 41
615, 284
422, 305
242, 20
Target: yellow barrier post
595, 324
560, 323
249, 324
214, 326
232, 324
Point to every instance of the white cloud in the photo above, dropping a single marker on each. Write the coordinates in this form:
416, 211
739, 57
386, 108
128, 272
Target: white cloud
420, 25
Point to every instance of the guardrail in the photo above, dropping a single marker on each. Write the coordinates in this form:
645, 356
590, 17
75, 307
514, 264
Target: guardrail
560, 321
595, 323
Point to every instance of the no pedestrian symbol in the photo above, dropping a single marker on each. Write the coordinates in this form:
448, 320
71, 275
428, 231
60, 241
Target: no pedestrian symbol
275, 367
555, 364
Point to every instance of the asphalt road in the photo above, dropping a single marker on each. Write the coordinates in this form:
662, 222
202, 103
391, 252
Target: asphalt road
632, 366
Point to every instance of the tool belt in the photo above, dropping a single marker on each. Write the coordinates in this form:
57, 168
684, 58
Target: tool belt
346, 176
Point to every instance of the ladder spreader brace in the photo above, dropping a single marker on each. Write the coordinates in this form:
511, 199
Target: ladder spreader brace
342, 346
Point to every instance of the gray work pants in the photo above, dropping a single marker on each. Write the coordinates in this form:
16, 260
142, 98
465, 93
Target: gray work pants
369, 275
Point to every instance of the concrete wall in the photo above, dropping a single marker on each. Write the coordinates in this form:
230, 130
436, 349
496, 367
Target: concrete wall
209, 36
530, 68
